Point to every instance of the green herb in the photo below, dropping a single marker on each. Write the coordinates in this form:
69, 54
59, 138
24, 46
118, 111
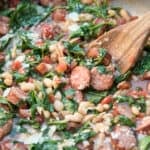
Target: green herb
27, 14
140, 102
94, 96
74, 49
123, 120
143, 65
70, 105
144, 143
19, 77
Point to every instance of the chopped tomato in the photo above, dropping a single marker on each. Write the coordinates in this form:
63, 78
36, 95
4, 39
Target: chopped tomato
51, 98
107, 100
47, 31
16, 65
15, 95
46, 59
93, 52
42, 68
61, 67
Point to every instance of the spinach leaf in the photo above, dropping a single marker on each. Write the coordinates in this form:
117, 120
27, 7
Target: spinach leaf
4, 41
101, 69
98, 10
142, 65
69, 92
140, 102
35, 102
70, 148
74, 49
27, 14
123, 120
5, 102
122, 77
33, 123
18, 77
60, 124
4, 116
46, 145
87, 31
144, 143
84, 133
74, 5
70, 105
95, 96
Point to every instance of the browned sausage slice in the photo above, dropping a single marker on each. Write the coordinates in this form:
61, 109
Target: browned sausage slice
80, 78
6, 128
100, 81
123, 138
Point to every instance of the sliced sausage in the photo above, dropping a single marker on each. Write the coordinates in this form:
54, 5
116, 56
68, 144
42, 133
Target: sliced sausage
80, 78
124, 109
6, 128
15, 95
100, 81
144, 124
123, 138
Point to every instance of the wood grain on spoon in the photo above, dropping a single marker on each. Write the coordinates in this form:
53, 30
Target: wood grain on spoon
125, 42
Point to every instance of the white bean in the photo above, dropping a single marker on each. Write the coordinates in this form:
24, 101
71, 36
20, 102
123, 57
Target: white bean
58, 105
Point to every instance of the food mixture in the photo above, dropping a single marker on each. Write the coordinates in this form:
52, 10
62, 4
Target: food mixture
55, 92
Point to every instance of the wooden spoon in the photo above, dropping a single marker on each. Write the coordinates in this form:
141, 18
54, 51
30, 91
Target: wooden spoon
125, 42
